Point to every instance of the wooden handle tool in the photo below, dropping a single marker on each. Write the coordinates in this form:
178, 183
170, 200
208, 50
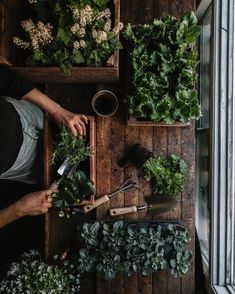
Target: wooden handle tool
123, 210
97, 203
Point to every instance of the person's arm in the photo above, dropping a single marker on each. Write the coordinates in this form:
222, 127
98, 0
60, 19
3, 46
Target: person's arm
75, 122
32, 204
12, 84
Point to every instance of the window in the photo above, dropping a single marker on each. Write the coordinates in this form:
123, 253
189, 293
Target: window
215, 182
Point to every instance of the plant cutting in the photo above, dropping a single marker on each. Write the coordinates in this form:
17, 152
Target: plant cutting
167, 175
32, 275
118, 247
163, 75
73, 187
67, 146
70, 33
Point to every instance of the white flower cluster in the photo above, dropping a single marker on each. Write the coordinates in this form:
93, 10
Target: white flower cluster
89, 17
31, 275
32, 1
39, 34
79, 44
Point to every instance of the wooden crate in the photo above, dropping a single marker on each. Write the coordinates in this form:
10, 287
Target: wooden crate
135, 122
59, 231
14, 10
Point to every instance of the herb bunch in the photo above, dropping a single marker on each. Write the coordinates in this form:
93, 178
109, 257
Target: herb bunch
70, 32
31, 275
67, 146
163, 62
116, 247
72, 190
167, 175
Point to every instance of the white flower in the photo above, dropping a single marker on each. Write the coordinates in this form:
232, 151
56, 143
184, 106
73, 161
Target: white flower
82, 44
32, 1
101, 36
107, 26
76, 45
21, 43
75, 28
82, 32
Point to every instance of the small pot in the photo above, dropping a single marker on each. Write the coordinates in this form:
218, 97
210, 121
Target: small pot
104, 103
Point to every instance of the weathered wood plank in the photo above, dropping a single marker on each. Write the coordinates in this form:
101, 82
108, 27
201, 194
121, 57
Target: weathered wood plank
77, 75
188, 203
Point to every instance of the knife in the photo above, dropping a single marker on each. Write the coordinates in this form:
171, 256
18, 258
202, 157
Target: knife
154, 205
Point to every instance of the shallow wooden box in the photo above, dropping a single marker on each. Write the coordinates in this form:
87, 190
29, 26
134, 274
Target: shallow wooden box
11, 13
59, 231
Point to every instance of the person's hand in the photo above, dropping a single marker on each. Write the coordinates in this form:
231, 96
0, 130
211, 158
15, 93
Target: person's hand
35, 203
75, 122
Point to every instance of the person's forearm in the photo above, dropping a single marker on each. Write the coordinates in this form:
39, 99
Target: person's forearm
8, 215
41, 100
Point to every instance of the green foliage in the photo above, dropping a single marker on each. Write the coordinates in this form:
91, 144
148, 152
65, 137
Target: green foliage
67, 146
116, 247
164, 60
167, 175
72, 190
81, 34
32, 275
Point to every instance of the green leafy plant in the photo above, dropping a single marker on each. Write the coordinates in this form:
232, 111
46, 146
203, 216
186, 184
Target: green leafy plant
71, 191
67, 146
167, 175
117, 247
32, 275
163, 69
70, 32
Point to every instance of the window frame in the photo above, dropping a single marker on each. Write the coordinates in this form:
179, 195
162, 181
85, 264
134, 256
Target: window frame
221, 276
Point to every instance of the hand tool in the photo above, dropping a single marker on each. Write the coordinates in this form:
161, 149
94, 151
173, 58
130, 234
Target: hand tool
128, 185
154, 205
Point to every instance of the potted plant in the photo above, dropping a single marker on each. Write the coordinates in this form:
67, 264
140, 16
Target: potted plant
73, 187
68, 40
118, 247
163, 76
32, 275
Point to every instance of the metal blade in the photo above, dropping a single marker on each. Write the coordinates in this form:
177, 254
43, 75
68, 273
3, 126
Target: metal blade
160, 204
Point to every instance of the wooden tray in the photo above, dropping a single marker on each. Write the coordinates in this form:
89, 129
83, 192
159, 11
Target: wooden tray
15, 10
135, 122
48, 169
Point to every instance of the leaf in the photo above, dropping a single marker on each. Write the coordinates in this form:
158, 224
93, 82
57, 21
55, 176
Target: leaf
66, 67
101, 2
63, 35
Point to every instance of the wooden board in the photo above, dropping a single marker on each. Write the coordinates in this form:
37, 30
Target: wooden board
134, 122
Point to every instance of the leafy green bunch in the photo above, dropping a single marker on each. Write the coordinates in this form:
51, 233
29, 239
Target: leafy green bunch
67, 146
72, 190
163, 61
32, 275
70, 33
117, 247
167, 175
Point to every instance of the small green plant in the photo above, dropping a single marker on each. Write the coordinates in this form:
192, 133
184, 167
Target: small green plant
167, 175
71, 191
32, 275
70, 32
116, 247
163, 62
67, 146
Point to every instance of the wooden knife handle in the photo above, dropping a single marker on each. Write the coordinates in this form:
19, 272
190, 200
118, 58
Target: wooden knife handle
123, 210
97, 203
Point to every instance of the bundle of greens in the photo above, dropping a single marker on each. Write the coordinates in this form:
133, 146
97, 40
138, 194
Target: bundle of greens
67, 146
167, 175
72, 190
71, 32
163, 69
73, 187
